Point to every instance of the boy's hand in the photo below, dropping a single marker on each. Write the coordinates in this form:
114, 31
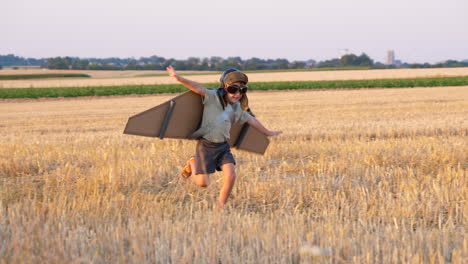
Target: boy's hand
255, 123
192, 85
172, 72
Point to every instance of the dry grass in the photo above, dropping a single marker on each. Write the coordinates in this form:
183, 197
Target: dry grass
361, 176
111, 78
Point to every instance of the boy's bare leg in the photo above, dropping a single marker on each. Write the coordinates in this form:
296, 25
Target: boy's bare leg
201, 180
229, 175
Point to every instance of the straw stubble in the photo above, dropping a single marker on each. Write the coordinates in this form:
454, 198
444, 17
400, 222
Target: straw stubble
362, 176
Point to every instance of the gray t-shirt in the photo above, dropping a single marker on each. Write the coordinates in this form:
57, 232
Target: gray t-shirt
216, 121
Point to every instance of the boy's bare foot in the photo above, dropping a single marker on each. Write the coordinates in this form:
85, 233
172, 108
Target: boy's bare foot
219, 207
187, 170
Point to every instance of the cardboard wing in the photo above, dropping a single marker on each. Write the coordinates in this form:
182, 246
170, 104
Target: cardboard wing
181, 116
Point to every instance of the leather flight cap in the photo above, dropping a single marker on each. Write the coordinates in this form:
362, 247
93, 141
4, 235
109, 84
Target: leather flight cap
235, 76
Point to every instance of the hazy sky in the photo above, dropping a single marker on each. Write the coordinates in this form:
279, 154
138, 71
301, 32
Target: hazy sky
417, 30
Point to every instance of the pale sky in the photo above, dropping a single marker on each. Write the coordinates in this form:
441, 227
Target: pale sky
417, 30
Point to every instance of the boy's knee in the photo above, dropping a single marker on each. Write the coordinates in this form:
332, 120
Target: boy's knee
202, 181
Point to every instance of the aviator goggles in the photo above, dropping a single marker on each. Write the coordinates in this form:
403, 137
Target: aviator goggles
233, 89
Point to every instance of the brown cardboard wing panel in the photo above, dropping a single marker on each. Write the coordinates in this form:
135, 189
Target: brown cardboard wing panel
253, 141
186, 116
147, 123
235, 132
245, 137
184, 120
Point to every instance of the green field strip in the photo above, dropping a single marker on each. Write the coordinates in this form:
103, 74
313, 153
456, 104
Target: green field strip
176, 88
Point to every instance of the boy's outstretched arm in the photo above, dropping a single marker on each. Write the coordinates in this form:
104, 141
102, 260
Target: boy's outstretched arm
255, 123
192, 85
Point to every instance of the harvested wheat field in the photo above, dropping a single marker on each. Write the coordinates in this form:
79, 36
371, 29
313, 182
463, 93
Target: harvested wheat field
115, 78
359, 176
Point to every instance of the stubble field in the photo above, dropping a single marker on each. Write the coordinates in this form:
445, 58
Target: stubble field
359, 176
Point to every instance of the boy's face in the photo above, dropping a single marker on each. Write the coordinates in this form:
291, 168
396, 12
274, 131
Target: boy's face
234, 98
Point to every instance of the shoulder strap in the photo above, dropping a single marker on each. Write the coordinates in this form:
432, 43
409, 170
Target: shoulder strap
220, 92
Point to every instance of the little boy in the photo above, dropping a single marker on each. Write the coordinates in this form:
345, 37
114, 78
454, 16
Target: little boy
221, 109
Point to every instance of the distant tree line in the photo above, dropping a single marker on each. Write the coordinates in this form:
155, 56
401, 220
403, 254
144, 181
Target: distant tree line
208, 64
160, 63
156, 63
348, 60
12, 60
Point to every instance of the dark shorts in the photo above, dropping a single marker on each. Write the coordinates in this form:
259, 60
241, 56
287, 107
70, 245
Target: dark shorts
210, 156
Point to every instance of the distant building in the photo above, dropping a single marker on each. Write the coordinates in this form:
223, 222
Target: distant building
390, 58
